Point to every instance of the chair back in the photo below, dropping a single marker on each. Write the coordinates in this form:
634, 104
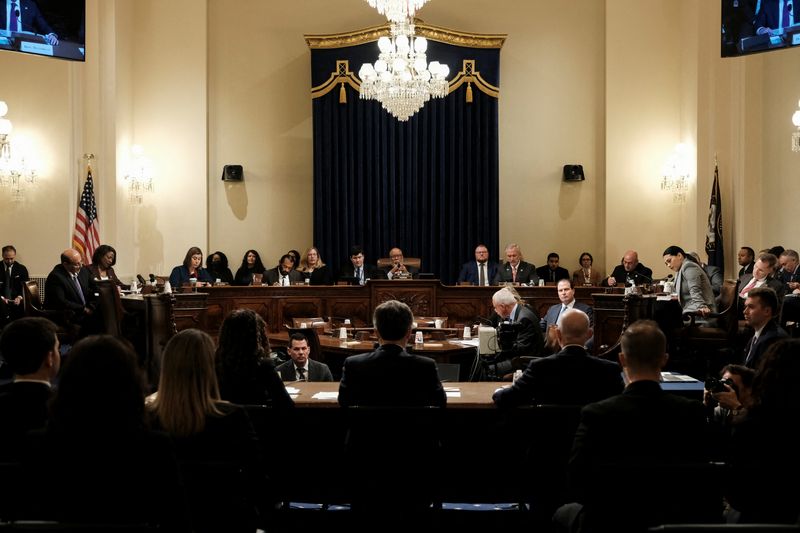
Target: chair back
727, 304
30, 298
316, 322
314, 348
109, 306
386, 262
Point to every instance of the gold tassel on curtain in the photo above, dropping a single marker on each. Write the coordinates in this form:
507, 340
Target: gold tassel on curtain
342, 94
469, 92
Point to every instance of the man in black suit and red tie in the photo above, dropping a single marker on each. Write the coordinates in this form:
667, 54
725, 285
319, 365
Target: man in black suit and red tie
515, 270
13, 276
481, 271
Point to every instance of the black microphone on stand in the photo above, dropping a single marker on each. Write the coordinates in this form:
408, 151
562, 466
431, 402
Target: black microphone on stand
141, 280
152, 278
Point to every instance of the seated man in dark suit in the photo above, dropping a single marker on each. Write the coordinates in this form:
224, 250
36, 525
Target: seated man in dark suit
481, 271
527, 336
571, 376
284, 274
69, 287
629, 270
300, 367
629, 436
761, 314
551, 272
515, 270
790, 270
399, 270
746, 259
14, 275
358, 269
762, 275
566, 293
29, 347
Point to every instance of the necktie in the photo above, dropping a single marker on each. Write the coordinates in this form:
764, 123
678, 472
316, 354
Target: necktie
513, 273
13, 25
359, 276
482, 274
284, 280
743, 293
77, 286
752, 344
301, 373
787, 10
7, 284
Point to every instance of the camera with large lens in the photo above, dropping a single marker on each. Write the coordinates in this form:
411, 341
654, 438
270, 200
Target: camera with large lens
714, 385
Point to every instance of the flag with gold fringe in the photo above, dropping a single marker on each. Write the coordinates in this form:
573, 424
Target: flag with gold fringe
714, 248
86, 237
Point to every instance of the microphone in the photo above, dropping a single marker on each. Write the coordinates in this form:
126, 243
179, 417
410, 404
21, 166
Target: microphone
152, 278
667, 278
141, 279
482, 320
636, 275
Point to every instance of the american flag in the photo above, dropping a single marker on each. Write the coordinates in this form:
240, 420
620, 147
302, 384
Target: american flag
86, 238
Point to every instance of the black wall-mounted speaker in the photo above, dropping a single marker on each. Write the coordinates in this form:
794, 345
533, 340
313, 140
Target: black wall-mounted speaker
232, 173
573, 173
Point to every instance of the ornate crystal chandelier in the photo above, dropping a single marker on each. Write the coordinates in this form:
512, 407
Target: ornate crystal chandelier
16, 172
397, 10
401, 79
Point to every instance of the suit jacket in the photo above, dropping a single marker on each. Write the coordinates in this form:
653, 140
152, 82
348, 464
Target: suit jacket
552, 276
180, 276
571, 377
30, 17
694, 288
469, 272
19, 275
23, 407
316, 371
714, 274
95, 272
772, 283
641, 274
530, 340
551, 317
259, 386
414, 271
642, 426
747, 269
244, 276
60, 293
526, 273
319, 276
370, 272
753, 352
272, 277
578, 279
390, 376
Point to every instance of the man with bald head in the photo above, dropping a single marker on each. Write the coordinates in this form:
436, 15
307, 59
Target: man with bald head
398, 269
69, 287
630, 270
569, 377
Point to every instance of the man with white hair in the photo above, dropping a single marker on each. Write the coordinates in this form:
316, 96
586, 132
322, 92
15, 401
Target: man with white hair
570, 377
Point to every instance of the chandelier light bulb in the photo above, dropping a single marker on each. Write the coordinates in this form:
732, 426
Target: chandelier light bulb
397, 10
3, 108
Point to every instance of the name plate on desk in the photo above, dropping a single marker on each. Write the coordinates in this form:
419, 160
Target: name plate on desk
36, 48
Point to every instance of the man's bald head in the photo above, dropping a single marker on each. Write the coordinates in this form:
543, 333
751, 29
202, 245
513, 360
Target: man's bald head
630, 260
573, 327
71, 260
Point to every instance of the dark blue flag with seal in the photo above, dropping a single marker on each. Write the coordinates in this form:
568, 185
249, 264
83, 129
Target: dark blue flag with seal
714, 248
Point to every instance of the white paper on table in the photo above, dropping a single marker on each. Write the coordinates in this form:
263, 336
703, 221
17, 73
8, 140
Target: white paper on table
326, 395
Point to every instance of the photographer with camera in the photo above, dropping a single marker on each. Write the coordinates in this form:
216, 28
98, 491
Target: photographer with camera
726, 400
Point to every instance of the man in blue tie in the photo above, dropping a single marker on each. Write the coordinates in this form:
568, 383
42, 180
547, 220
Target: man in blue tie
358, 271
69, 287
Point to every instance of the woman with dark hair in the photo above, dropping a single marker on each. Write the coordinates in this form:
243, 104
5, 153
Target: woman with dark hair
295, 257
314, 268
109, 468
191, 269
245, 371
691, 282
103, 260
208, 431
586, 274
251, 264
764, 460
217, 266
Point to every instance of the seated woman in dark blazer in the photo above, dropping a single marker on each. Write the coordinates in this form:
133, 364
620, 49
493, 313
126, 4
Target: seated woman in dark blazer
192, 268
251, 264
217, 266
245, 370
314, 269
212, 437
103, 260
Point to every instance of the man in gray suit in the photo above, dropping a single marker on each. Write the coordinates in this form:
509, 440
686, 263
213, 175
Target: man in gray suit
692, 285
301, 368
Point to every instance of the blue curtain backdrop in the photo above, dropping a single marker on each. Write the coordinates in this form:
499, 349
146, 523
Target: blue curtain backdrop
429, 185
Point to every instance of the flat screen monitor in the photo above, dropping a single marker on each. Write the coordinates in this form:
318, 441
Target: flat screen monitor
51, 28
751, 26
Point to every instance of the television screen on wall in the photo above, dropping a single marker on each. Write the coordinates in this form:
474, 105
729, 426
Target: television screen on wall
53, 28
750, 26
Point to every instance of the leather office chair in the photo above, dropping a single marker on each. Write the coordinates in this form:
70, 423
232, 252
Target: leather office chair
703, 343
32, 304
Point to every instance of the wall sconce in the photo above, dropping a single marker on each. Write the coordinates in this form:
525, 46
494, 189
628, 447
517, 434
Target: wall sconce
15, 172
796, 134
675, 174
139, 175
